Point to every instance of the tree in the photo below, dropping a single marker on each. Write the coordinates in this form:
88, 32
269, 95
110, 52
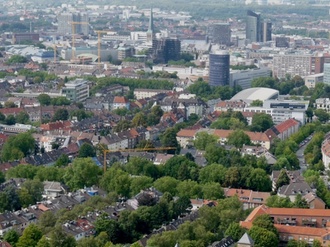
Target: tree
63, 160
31, 235
47, 221
300, 202
238, 138
259, 180
82, 172
264, 82
203, 139
25, 198
297, 243
167, 184
61, 114
322, 115
22, 117
283, 179
86, 150
18, 146
9, 104
16, 59
276, 201
35, 188
256, 102
212, 191
235, 231
168, 139
11, 237
264, 221
43, 242
10, 120
139, 120
261, 122
59, 238
262, 237
44, 99
80, 114
213, 173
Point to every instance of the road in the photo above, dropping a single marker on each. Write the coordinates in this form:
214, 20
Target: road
300, 154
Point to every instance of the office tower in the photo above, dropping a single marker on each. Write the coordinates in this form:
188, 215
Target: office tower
283, 42
166, 49
221, 33
266, 31
150, 32
326, 71
219, 74
253, 27
65, 26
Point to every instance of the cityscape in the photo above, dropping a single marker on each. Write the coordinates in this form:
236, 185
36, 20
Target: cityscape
165, 124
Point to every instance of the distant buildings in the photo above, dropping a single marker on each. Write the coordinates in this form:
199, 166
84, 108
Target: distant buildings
65, 26
326, 77
77, 90
256, 30
219, 68
19, 38
221, 33
166, 49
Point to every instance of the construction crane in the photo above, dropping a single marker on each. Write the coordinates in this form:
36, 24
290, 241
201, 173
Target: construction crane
99, 32
54, 47
73, 24
105, 151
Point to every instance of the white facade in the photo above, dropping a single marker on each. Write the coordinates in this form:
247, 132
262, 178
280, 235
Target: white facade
291, 65
326, 71
312, 80
323, 104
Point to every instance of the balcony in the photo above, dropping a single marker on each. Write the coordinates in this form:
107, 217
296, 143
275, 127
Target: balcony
309, 222
289, 222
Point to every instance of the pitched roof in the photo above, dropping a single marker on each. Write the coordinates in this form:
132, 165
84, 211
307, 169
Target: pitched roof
246, 239
287, 124
186, 133
120, 100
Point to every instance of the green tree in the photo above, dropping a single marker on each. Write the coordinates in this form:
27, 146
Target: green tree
261, 122
238, 138
297, 243
22, 117
203, 139
235, 231
212, 191
110, 226
47, 221
16, 59
276, 201
30, 237
300, 202
139, 120
86, 150
10, 120
18, 146
256, 102
63, 160
61, 114
262, 237
11, 237
283, 179
35, 188
259, 180
44, 99
322, 115
59, 238
168, 139
43, 242
25, 198
167, 184
82, 172
213, 173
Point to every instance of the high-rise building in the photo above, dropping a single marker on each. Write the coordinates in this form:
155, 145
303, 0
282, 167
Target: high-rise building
326, 77
221, 33
219, 71
253, 27
65, 19
150, 32
166, 49
266, 31
256, 29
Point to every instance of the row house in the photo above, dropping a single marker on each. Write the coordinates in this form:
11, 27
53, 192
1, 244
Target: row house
249, 198
284, 130
296, 223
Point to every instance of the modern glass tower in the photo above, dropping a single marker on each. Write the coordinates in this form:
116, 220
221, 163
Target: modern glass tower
253, 27
219, 68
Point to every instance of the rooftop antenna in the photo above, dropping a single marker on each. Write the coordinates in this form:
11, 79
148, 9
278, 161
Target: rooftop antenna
30, 27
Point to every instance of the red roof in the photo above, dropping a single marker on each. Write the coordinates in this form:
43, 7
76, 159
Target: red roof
55, 125
120, 100
284, 126
11, 111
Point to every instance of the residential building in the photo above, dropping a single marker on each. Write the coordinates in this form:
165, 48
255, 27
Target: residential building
312, 80
234, 105
323, 104
285, 129
141, 93
314, 201
77, 90
249, 198
325, 150
220, 33
19, 38
52, 189
294, 176
120, 102
296, 64
219, 68
282, 42
295, 223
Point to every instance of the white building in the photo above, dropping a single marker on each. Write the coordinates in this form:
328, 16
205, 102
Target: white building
244, 78
326, 71
323, 104
312, 80
77, 90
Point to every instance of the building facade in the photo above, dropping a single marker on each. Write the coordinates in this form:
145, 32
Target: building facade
221, 33
219, 68
77, 90
253, 27
166, 49
65, 26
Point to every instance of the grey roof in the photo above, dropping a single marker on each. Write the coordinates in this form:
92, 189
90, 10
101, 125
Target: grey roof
260, 93
246, 239
295, 188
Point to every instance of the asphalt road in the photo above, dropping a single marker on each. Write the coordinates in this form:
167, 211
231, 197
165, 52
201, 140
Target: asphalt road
300, 154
